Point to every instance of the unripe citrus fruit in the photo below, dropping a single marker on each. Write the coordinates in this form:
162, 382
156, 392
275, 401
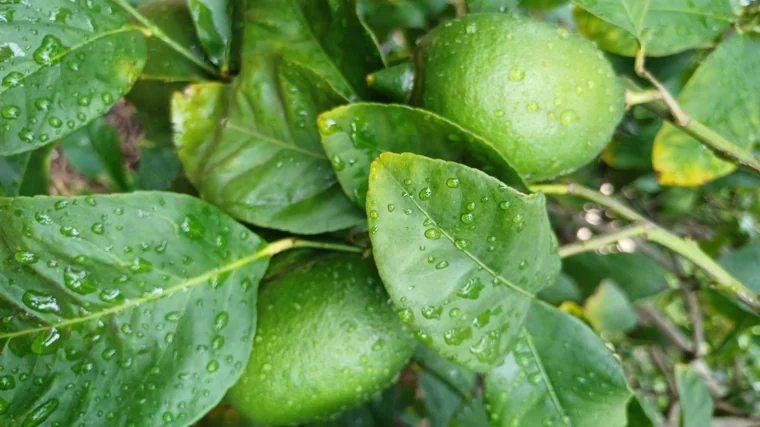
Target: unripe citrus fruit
548, 100
326, 341
541, 4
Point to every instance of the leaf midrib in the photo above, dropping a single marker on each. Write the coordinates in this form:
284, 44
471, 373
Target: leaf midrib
56, 59
189, 283
466, 252
549, 386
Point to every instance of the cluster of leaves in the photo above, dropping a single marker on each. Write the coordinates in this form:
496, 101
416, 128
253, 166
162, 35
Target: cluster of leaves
264, 119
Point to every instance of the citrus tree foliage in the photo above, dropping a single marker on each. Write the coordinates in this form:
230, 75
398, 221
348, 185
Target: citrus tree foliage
334, 213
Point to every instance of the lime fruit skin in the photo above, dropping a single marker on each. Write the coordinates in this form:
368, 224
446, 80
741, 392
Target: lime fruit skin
327, 340
546, 99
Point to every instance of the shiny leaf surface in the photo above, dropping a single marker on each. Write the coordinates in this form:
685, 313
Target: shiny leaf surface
132, 309
265, 164
324, 35
64, 63
665, 27
25, 174
559, 373
461, 254
354, 135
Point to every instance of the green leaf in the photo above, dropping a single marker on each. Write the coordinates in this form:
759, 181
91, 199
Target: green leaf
607, 37
383, 16
470, 413
696, 403
480, 6
167, 71
441, 401
665, 27
95, 152
609, 311
461, 254
461, 379
395, 82
354, 135
324, 35
74, 62
159, 164
25, 174
636, 274
215, 24
564, 289
265, 164
559, 373
641, 413
724, 95
138, 309
744, 264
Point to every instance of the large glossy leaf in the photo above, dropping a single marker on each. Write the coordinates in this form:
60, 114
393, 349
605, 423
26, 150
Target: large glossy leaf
636, 274
25, 174
461, 254
696, 403
215, 23
124, 310
95, 152
564, 289
470, 414
264, 164
723, 94
665, 27
354, 135
325, 35
559, 373
64, 63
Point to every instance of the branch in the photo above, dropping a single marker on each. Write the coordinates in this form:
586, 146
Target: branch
692, 127
724, 281
602, 240
656, 319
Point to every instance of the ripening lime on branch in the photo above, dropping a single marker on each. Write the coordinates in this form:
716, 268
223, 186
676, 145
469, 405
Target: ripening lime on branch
546, 98
326, 341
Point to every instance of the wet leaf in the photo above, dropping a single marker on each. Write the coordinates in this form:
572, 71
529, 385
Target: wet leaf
167, 71
559, 373
723, 94
665, 27
394, 82
316, 34
133, 309
95, 152
461, 254
75, 61
159, 164
265, 164
354, 135
564, 289
383, 16
470, 414
696, 403
215, 24
25, 174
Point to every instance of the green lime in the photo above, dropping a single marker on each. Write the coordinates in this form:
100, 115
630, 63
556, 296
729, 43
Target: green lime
327, 340
547, 99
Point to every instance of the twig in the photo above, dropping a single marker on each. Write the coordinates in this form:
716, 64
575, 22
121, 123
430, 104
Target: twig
638, 97
652, 317
723, 280
695, 316
691, 126
602, 240
661, 362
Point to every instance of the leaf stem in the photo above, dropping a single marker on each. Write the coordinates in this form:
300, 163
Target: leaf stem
283, 245
154, 31
637, 97
602, 240
688, 249
692, 127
